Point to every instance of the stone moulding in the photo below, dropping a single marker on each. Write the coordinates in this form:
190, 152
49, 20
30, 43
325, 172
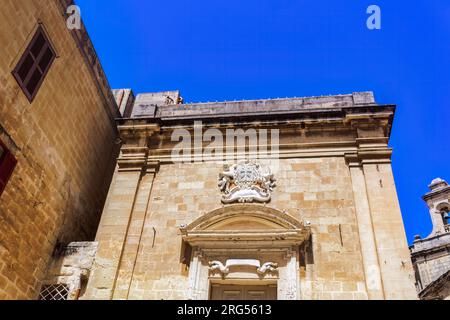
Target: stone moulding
246, 226
225, 268
369, 151
255, 239
282, 219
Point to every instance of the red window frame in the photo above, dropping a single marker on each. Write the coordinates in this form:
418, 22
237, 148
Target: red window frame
7, 165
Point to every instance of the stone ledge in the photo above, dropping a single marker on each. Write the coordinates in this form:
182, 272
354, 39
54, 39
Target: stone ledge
84, 44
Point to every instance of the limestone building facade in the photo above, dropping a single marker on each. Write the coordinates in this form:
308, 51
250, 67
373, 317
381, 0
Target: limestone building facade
304, 207
431, 255
57, 141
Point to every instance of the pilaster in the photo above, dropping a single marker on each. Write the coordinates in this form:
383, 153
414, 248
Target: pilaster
289, 282
122, 218
134, 232
369, 252
388, 268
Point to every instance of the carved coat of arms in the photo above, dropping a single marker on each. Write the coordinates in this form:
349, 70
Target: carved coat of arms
246, 182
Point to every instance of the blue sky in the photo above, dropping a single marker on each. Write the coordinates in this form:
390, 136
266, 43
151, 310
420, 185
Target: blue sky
226, 50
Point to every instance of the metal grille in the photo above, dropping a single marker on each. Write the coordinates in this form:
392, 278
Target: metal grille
54, 292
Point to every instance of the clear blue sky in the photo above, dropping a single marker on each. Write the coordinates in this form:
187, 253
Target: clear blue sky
226, 50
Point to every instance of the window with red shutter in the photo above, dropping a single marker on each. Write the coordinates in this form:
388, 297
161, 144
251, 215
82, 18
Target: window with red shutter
7, 164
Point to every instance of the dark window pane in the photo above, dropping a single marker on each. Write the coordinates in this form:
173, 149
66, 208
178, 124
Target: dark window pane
46, 59
38, 44
34, 81
7, 165
25, 67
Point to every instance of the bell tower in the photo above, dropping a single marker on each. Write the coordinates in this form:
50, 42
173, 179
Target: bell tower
431, 255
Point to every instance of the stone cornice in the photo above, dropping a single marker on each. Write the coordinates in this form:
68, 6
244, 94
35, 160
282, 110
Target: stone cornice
285, 151
147, 106
382, 118
330, 121
435, 193
247, 239
92, 61
423, 253
362, 115
138, 129
357, 132
430, 245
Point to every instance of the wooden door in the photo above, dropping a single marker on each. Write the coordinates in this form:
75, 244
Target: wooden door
243, 292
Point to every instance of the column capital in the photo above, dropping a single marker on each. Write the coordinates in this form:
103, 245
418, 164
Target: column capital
132, 158
371, 150
152, 166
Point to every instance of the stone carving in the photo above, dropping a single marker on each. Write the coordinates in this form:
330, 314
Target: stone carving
246, 182
217, 265
225, 268
267, 267
169, 101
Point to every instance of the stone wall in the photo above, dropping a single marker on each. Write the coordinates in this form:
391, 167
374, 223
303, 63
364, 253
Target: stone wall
433, 267
64, 142
317, 190
71, 266
439, 289
431, 258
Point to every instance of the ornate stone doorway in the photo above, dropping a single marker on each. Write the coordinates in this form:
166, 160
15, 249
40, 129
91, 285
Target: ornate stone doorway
244, 245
